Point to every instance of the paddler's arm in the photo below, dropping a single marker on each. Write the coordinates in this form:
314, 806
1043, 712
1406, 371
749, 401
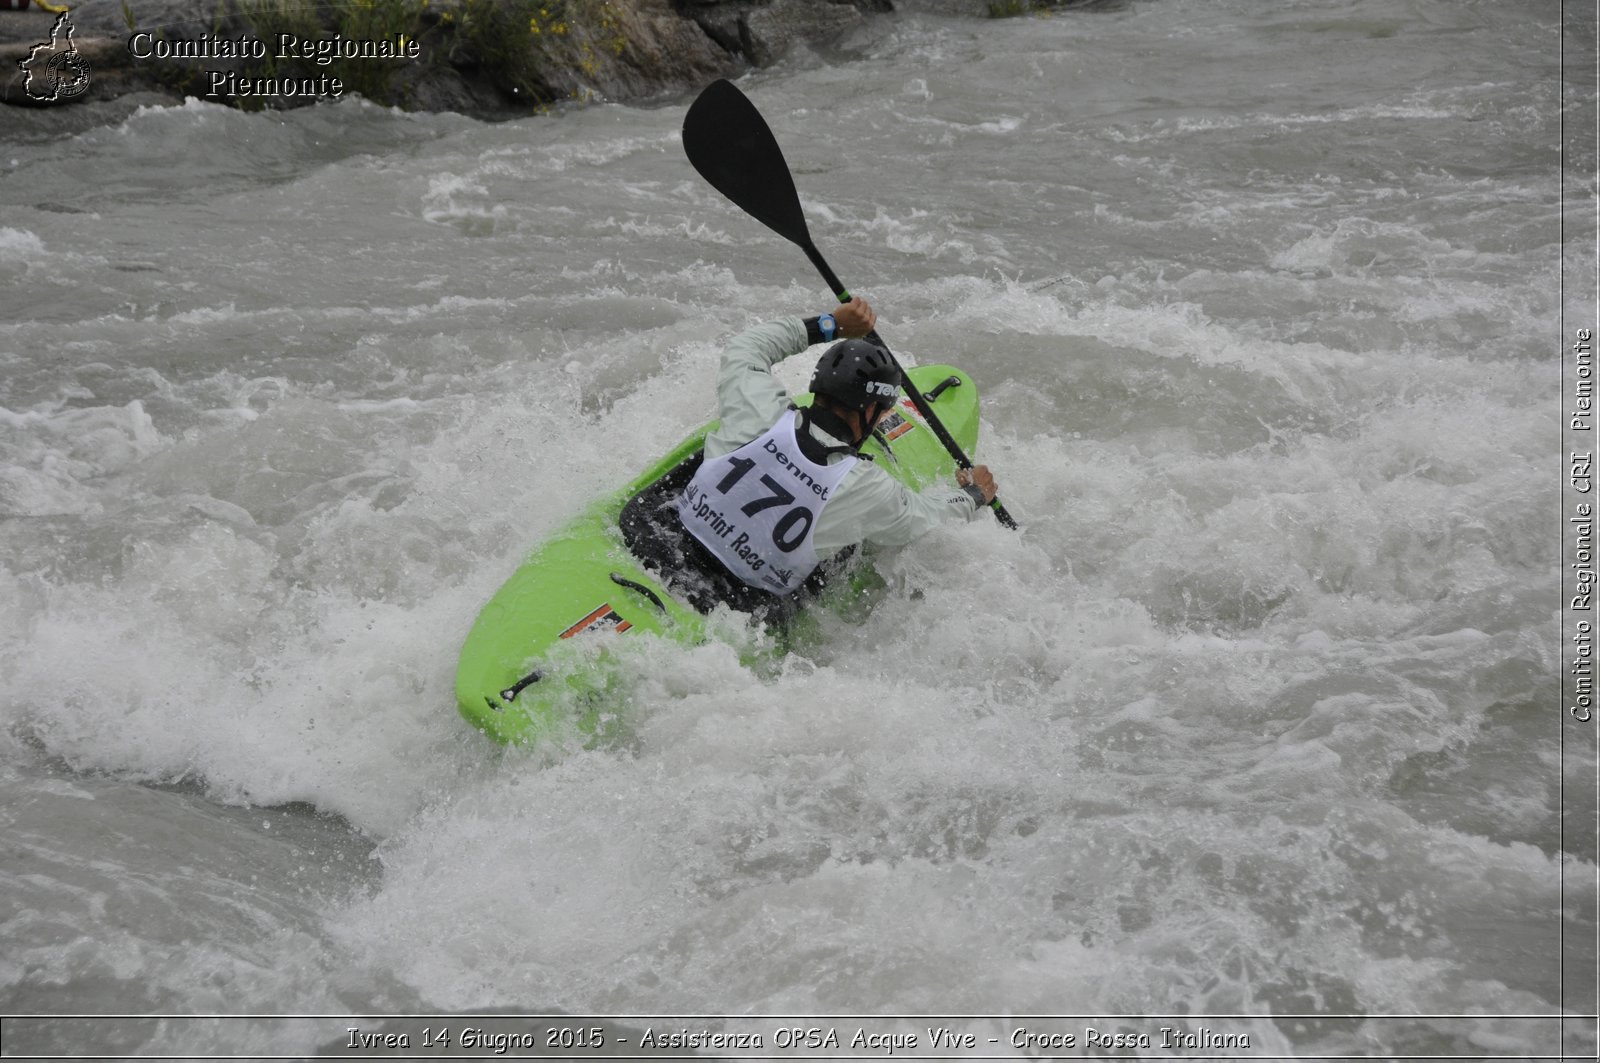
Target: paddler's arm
749, 397
872, 506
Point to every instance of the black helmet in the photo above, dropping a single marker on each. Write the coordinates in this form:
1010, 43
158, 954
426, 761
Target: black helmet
857, 374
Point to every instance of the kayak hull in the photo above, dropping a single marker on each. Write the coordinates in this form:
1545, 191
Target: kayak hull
533, 662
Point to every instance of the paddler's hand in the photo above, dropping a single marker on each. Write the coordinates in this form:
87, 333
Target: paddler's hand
982, 478
855, 318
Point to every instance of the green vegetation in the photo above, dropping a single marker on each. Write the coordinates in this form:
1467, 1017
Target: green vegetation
360, 20
558, 35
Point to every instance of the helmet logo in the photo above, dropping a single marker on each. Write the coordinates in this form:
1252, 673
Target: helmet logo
878, 387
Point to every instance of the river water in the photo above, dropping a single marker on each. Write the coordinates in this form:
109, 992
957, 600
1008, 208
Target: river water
1255, 718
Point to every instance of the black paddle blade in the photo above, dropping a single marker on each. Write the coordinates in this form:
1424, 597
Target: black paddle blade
728, 141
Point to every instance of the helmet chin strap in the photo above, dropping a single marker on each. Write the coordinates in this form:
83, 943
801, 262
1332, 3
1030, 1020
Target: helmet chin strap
836, 426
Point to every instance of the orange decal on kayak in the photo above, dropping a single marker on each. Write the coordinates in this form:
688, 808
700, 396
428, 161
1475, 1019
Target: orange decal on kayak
601, 619
896, 424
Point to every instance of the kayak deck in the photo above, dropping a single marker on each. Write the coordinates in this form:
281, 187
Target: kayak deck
521, 673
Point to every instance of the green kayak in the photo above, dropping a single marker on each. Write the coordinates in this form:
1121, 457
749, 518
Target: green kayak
522, 671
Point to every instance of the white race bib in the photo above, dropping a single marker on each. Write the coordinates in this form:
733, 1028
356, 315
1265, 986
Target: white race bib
756, 509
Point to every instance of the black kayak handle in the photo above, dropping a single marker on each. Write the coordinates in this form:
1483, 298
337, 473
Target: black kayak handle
622, 581
944, 385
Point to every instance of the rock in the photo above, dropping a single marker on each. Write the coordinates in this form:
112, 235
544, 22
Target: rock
632, 50
479, 57
721, 21
769, 32
178, 19
763, 30
955, 8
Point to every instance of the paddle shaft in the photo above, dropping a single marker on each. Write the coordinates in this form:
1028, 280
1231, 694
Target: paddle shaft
915, 393
733, 148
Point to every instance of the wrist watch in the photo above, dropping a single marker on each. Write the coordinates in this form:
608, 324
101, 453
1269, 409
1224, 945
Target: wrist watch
828, 326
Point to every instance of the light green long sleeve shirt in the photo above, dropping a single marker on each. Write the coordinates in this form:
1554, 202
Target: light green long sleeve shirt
870, 506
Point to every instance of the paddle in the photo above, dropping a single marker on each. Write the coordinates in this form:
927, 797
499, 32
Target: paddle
729, 143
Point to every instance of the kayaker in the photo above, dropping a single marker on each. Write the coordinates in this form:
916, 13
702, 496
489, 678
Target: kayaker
781, 487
